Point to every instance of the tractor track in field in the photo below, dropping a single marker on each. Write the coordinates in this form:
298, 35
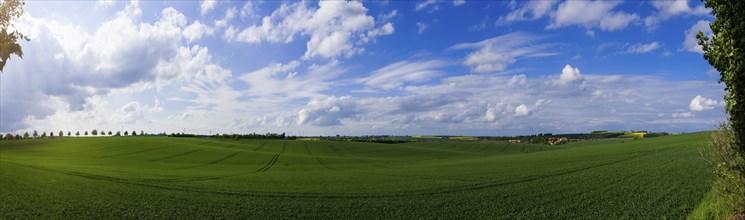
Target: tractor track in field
260, 146
320, 161
139, 151
271, 162
504, 148
95, 150
423, 192
333, 149
485, 147
177, 155
226, 157
467, 147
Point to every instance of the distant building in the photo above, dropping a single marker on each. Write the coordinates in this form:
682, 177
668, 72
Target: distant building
557, 141
515, 141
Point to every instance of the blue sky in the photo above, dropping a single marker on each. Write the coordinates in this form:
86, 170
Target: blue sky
371, 67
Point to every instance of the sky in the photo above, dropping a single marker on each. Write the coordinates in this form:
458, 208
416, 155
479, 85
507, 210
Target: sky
427, 67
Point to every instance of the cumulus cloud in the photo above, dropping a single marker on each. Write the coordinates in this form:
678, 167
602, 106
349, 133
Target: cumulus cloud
229, 15
69, 66
591, 14
397, 74
668, 9
643, 48
249, 10
206, 6
459, 2
335, 28
521, 110
569, 75
691, 43
517, 80
496, 54
104, 4
700, 103
326, 112
494, 105
195, 31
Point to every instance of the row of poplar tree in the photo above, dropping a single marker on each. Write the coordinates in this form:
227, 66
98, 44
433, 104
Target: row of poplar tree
94, 132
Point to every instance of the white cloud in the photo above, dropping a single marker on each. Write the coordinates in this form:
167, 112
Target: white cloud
670, 8
517, 80
195, 31
643, 48
521, 111
591, 14
459, 2
206, 6
249, 10
336, 28
104, 4
491, 103
569, 75
326, 112
700, 103
420, 27
691, 43
397, 74
495, 54
682, 115
389, 16
432, 4
531, 10
77, 69
279, 84
229, 15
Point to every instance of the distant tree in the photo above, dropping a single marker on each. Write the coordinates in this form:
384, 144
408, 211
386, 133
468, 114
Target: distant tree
102, 133
44, 134
109, 132
118, 133
134, 133
77, 133
68, 133
142, 132
36, 134
86, 133
25, 135
18, 137
8, 136
94, 132
51, 134
60, 133
126, 133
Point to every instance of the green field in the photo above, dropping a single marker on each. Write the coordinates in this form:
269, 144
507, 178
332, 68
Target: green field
160, 177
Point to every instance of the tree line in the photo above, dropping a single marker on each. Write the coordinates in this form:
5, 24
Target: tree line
92, 133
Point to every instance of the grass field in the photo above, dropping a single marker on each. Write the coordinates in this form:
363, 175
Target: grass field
159, 177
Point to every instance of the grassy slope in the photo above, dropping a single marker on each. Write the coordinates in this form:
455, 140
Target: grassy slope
179, 177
